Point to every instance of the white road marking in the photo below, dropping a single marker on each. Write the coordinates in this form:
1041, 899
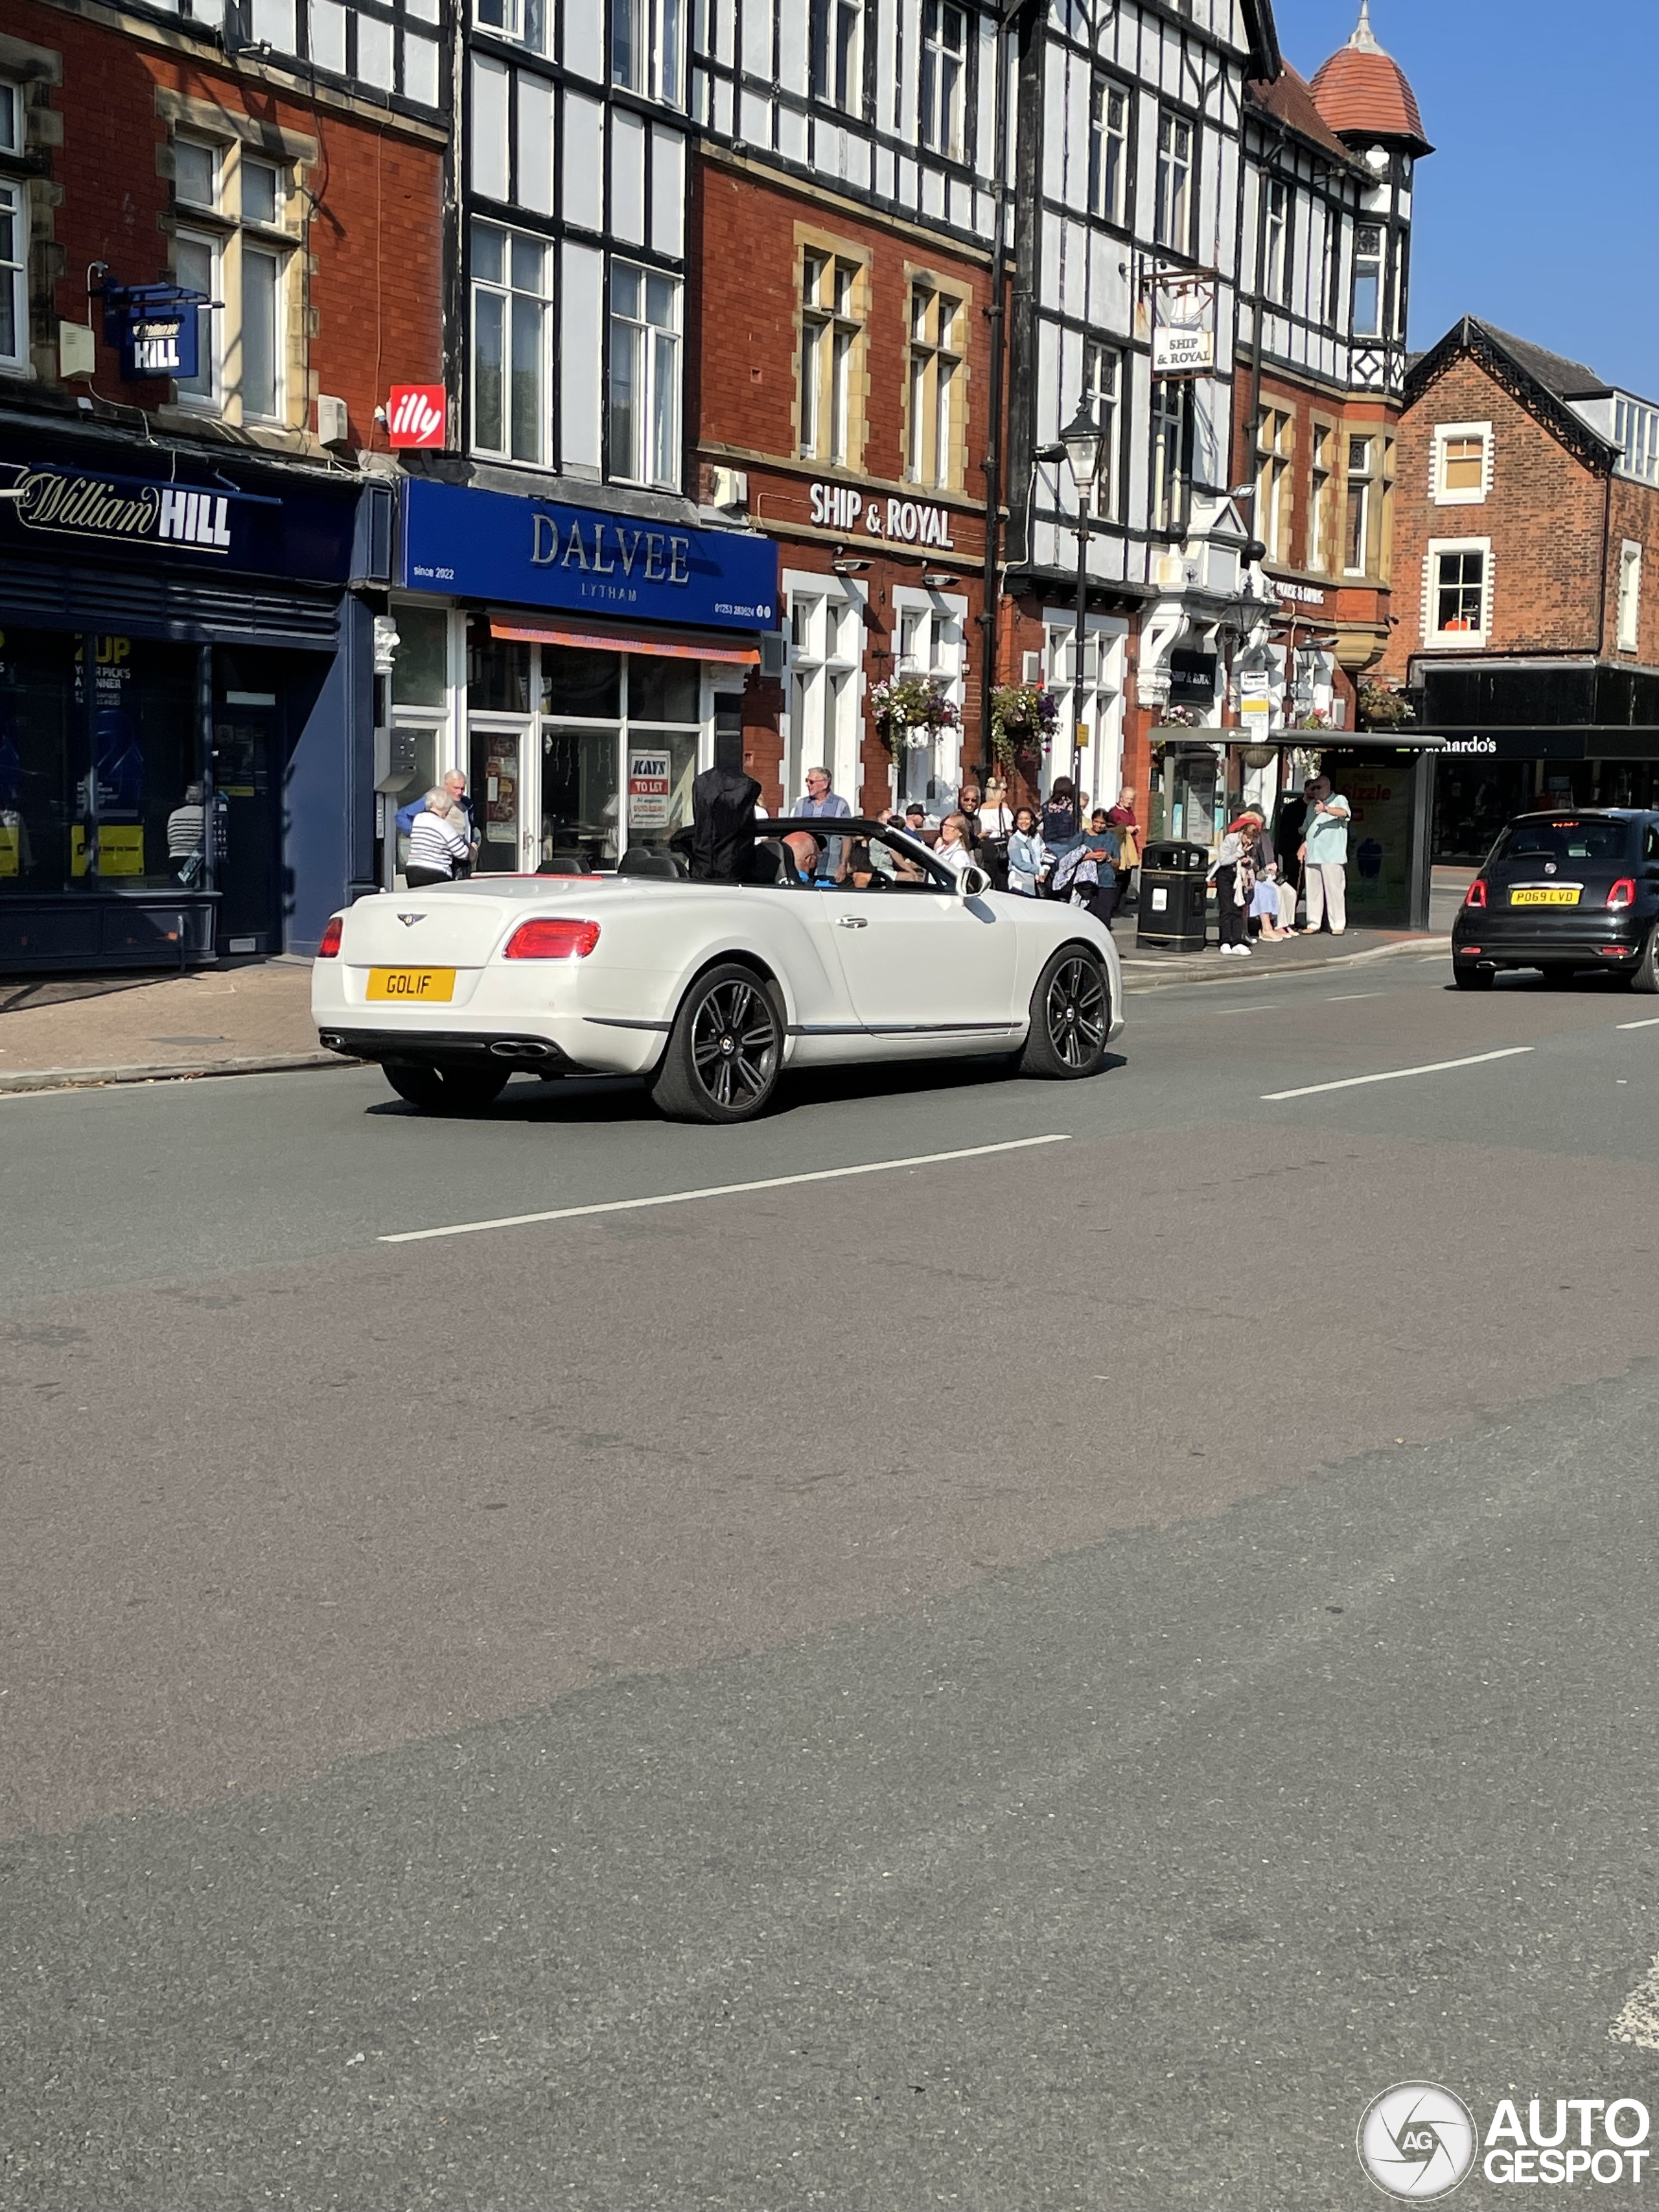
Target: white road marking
1396, 1074
1638, 2023
1346, 997
1652, 1022
721, 1190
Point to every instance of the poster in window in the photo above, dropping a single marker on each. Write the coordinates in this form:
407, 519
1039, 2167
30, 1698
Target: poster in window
501, 813
649, 785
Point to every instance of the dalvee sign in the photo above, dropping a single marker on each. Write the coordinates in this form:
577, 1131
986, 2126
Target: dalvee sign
535, 553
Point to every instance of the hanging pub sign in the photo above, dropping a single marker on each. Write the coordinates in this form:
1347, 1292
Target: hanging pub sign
1180, 349
155, 328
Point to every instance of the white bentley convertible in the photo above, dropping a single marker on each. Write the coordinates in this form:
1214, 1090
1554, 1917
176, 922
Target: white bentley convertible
710, 990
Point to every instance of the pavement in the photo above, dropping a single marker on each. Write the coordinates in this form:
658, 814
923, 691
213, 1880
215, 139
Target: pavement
974, 1643
256, 1017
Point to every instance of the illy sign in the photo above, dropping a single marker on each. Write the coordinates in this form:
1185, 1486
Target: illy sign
415, 415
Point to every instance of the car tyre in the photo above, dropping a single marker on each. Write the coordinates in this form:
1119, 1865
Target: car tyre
1645, 976
446, 1090
725, 1051
1470, 976
1070, 1017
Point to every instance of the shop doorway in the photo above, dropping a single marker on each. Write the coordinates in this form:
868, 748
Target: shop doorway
496, 779
247, 777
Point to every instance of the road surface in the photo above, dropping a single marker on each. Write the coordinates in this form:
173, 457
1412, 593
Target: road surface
1046, 1676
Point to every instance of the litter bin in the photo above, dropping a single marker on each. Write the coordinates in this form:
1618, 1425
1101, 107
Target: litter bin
1172, 914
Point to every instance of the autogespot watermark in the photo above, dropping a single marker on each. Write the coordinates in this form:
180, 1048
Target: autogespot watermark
1419, 2140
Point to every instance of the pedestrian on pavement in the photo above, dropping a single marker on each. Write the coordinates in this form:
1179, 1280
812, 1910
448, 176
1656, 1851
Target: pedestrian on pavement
1102, 843
186, 835
996, 826
967, 805
1264, 901
1233, 873
821, 800
1324, 857
1122, 817
1028, 856
1061, 819
455, 783
438, 845
915, 818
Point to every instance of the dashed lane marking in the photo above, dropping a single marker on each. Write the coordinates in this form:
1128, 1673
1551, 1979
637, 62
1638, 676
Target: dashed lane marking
1652, 1022
1396, 1074
720, 1190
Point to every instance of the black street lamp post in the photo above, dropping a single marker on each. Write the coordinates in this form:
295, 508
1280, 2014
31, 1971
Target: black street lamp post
1082, 442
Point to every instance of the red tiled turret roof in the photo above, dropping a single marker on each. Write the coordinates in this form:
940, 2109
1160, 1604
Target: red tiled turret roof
1361, 92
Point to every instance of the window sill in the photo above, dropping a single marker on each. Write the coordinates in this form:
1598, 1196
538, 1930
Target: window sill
1458, 498
1456, 641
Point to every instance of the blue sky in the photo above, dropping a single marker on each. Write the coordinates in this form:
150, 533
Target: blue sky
1539, 210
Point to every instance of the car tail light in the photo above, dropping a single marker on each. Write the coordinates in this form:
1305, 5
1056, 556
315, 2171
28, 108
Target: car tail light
1623, 892
1476, 894
1469, 951
551, 937
329, 949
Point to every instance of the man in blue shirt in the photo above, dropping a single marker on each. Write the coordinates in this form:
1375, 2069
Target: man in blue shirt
820, 799
455, 785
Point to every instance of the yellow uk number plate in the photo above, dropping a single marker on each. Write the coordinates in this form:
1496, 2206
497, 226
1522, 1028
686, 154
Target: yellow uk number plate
427, 985
1548, 894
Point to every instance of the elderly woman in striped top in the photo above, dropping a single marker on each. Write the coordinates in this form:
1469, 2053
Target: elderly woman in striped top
438, 843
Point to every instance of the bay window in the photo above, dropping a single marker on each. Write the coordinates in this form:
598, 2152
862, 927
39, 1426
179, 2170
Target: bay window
1172, 452
1368, 280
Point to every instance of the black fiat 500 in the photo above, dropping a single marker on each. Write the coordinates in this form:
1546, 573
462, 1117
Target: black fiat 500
1575, 889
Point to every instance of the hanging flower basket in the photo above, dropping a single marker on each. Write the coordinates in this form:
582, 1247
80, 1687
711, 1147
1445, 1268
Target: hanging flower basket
1379, 708
909, 711
1179, 718
1023, 719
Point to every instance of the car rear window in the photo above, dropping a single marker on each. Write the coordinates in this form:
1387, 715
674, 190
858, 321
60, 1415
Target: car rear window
1563, 839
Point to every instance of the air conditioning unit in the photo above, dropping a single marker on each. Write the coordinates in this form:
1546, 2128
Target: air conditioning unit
1030, 668
729, 489
333, 424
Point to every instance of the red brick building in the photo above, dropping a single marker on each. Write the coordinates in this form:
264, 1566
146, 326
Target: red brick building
839, 385
214, 265
1526, 536
332, 207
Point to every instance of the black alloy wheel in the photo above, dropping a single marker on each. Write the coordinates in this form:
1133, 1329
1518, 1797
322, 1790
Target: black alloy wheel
446, 1090
725, 1051
1070, 1017
1645, 976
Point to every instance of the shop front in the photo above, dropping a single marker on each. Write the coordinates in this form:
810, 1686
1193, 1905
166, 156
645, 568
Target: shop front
184, 675
576, 665
1540, 733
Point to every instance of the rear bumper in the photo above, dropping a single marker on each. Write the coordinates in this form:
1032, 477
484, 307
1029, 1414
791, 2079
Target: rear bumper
1585, 940
449, 1047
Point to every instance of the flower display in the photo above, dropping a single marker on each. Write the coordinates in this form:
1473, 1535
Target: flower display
909, 709
1382, 708
1022, 716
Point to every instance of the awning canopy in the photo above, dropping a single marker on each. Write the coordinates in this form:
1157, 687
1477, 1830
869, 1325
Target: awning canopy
665, 645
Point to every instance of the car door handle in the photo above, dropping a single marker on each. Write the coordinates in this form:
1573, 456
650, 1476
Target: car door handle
851, 922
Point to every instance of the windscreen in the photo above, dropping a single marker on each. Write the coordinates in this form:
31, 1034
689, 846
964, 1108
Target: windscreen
1565, 839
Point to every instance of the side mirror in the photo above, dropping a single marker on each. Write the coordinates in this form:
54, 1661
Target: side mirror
975, 881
